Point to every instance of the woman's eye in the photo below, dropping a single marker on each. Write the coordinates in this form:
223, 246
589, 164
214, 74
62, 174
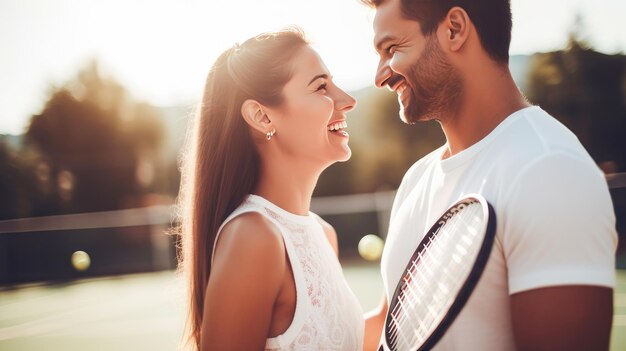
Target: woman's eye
321, 87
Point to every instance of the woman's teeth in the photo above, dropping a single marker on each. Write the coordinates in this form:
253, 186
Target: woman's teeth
336, 126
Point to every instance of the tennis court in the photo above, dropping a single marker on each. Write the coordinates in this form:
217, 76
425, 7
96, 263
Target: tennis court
145, 312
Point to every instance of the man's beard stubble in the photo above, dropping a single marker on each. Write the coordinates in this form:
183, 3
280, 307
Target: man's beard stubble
435, 86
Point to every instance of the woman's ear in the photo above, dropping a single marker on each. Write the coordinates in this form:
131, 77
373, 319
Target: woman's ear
457, 28
253, 113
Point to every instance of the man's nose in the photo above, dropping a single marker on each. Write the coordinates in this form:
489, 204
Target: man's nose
383, 74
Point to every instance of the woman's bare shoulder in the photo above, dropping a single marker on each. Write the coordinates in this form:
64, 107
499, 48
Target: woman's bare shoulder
245, 281
253, 236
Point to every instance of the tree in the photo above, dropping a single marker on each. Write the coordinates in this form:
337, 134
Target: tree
18, 185
96, 142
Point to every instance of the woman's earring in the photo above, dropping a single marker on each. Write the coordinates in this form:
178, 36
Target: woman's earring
269, 135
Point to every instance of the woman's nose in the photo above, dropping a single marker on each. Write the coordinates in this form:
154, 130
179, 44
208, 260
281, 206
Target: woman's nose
344, 102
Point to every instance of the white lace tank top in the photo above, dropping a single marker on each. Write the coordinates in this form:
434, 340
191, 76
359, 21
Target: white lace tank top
327, 315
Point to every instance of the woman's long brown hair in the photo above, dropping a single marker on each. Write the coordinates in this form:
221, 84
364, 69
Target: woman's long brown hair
220, 164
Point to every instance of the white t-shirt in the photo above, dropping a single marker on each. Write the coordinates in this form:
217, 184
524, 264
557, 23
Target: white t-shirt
555, 220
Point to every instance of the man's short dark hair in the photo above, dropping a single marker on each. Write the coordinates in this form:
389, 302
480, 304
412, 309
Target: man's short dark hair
492, 19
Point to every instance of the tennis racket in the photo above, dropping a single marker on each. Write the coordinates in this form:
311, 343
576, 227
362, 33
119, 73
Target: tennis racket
440, 277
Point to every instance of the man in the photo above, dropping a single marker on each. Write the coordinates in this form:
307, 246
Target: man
548, 284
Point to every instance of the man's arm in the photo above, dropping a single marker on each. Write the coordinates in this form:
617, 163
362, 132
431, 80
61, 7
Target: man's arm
568, 318
560, 243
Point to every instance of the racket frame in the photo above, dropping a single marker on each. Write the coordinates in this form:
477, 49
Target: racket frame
468, 286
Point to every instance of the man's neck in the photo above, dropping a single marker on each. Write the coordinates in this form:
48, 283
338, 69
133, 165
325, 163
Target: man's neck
489, 97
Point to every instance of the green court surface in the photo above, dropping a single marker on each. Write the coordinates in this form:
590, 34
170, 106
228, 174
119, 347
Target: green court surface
145, 312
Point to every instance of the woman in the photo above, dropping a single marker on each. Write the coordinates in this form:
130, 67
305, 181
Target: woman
262, 269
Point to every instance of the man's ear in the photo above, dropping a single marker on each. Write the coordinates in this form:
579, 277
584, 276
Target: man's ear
253, 113
457, 26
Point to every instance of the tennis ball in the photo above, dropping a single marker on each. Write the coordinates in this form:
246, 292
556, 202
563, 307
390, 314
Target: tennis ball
371, 247
81, 261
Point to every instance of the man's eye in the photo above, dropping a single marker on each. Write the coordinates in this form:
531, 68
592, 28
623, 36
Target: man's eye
391, 49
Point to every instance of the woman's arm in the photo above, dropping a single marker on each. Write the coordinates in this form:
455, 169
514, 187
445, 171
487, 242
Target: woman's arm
249, 265
374, 322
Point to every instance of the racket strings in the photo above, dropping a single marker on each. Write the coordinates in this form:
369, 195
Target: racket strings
438, 269
435, 291
412, 297
417, 276
431, 310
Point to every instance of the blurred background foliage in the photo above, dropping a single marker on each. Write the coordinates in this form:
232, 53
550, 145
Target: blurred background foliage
94, 148
91, 148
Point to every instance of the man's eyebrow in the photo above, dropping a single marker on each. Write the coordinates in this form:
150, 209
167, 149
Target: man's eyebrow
379, 43
324, 75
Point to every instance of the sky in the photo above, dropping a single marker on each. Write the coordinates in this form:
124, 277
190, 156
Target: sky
161, 50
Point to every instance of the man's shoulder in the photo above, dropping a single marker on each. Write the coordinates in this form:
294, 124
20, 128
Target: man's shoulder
533, 136
541, 132
541, 159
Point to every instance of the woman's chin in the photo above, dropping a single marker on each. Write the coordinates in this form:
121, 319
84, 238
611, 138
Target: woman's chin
347, 153
339, 155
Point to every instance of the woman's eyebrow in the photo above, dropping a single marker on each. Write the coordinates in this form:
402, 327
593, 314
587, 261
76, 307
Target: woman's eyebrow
323, 75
